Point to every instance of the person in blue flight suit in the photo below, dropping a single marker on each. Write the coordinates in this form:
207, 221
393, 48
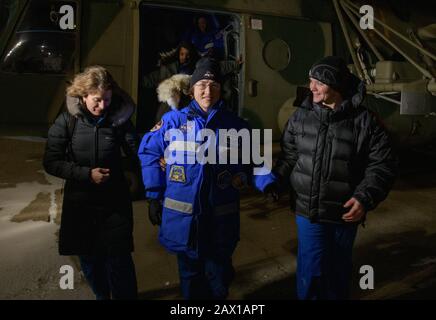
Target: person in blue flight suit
196, 203
207, 37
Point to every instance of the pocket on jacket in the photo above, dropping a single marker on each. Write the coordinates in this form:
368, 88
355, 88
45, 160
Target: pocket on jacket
176, 225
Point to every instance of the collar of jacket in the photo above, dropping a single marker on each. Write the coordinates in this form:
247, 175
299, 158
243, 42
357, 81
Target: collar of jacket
194, 110
186, 68
91, 119
327, 114
118, 114
344, 107
355, 98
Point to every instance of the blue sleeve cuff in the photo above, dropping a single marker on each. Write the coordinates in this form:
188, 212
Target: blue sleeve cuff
153, 177
152, 194
261, 181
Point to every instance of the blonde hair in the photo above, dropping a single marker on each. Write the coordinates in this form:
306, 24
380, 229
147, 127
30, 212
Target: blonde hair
93, 79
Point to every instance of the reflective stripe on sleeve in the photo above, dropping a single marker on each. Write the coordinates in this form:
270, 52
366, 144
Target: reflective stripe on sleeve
177, 205
188, 146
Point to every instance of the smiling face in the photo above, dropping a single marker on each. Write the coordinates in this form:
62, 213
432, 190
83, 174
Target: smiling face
324, 94
97, 102
207, 93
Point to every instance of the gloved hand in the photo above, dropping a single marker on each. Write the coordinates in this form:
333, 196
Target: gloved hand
155, 211
272, 190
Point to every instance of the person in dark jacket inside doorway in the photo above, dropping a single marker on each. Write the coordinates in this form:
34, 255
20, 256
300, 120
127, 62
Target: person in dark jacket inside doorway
339, 162
84, 148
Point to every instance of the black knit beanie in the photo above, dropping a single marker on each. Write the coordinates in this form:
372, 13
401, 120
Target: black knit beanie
332, 71
206, 69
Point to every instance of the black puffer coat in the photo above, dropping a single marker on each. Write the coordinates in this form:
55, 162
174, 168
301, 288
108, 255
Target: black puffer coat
333, 155
96, 219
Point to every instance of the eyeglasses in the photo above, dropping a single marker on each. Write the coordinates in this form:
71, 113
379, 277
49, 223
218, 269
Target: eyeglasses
213, 86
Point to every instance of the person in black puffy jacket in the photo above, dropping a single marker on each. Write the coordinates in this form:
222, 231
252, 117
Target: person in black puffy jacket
339, 162
84, 148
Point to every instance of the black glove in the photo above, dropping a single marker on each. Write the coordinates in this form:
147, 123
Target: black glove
155, 211
272, 190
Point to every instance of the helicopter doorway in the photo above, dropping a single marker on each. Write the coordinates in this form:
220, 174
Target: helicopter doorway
162, 30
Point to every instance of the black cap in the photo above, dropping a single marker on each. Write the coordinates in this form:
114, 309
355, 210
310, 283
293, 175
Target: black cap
332, 71
206, 69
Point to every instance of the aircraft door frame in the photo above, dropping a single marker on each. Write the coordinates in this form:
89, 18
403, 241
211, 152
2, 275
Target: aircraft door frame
239, 49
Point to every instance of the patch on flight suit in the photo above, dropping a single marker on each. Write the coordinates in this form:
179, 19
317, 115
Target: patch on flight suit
157, 126
187, 127
177, 174
224, 179
239, 180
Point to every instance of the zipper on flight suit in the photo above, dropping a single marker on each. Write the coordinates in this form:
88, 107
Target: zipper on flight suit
206, 170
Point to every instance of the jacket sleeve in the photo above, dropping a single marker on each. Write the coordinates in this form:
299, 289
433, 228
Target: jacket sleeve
152, 79
262, 174
55, 160
150, 151
288, 156
131, 138
261, 181
381, 169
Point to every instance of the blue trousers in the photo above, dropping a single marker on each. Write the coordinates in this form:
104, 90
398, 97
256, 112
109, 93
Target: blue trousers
324, 260
110, 276
206, 278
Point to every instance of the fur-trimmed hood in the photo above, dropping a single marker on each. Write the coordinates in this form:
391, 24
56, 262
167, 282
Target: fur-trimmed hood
119, 113
173, 89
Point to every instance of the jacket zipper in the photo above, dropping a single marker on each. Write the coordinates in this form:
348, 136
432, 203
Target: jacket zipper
327, 150
96, 146
199, 201
194, 241
327, 156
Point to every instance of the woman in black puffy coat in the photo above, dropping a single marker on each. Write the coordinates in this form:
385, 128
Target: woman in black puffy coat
84, 148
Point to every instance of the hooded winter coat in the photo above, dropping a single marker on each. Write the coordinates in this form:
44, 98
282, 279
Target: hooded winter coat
96, 219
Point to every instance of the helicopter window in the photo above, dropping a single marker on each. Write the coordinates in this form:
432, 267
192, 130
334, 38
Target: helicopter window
277, 54
40, 45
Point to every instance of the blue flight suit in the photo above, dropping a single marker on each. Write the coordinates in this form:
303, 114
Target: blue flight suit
200, 220
324, 260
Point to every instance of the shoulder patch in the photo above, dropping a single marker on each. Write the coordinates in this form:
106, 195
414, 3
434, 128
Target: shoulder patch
187, 127
224, 179
177, 174
239, 181
157, 126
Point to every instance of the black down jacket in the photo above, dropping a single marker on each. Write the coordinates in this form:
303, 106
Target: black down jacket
333, 155
96, 219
